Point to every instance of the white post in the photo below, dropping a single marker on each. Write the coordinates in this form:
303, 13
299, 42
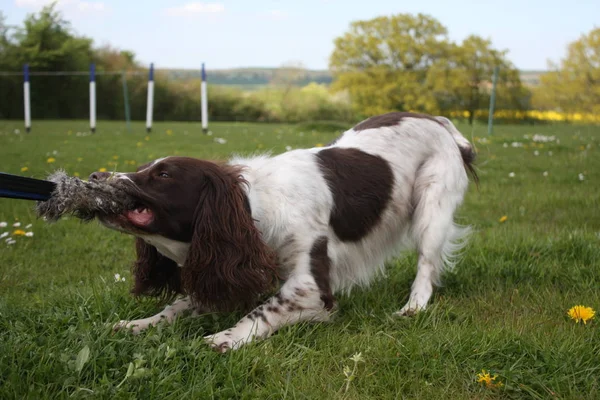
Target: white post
150, 102
93, 97
204, 101
26, 98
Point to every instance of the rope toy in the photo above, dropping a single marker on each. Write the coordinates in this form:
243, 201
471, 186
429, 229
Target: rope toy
61, 195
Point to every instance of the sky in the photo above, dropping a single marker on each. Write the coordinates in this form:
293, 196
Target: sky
269, 33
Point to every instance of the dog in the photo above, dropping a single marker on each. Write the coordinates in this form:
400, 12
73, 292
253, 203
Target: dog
285, 233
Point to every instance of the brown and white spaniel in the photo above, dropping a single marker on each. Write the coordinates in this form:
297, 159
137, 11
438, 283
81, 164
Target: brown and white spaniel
279, 236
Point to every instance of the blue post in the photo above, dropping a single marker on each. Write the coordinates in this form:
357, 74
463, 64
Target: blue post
93, 97
204, 101
26, 98
150, 100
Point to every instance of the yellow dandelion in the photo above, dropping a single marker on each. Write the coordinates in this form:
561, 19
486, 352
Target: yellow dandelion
102, 169
50, 160
24, 169
79, 159
19, 232
115, 157
503, 218
169, 132
319, 145
488, 380
139, 144
581, 313
147, 138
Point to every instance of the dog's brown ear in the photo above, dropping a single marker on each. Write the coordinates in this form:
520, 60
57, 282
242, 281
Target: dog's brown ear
228, 265
154, 274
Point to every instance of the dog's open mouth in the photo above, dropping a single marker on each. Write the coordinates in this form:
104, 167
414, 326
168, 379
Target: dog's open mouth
141, 216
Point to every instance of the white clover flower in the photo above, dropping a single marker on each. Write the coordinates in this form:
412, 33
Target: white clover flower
536, 153
505, 145
220, 140
3, 224
545, 173
117, 277
11, 241
17, 224
29, 234
3, 235
581, 177
511, 175
357, 357
543, 138
28, 226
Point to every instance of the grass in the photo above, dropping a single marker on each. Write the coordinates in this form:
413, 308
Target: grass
502, 310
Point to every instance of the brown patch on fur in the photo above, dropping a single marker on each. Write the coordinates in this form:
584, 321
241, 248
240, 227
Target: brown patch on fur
361, 185
320, 265
468, 155
155, 274
390, 119
228, 265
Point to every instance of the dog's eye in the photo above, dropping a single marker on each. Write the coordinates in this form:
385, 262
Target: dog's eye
163, 175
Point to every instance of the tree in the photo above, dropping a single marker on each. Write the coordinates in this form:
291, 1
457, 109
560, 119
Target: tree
462, 81
287, 76
574, 85
46, 43
383, 62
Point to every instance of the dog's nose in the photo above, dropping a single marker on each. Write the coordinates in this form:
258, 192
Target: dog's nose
99, 176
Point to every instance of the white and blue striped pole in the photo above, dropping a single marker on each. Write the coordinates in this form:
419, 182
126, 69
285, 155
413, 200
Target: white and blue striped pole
93, 97
150, 102
26, 98
204, 101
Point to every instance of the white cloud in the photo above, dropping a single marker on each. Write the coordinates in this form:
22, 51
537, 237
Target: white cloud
276, 15
195, 8
69, 7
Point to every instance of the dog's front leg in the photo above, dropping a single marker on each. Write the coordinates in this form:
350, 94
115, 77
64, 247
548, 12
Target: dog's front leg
168, 315
299, 299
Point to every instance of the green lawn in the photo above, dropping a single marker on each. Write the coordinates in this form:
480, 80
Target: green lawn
503, 310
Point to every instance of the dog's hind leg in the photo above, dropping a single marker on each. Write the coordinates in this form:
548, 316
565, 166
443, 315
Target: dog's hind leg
439, 189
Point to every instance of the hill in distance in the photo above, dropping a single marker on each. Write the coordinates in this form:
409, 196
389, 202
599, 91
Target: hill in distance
257, 77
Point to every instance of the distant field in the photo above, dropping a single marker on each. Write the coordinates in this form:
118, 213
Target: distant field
503, 310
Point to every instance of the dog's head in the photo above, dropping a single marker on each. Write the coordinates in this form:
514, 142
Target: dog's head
204, 205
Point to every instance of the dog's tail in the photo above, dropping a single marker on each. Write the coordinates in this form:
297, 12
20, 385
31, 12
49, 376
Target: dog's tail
466, 148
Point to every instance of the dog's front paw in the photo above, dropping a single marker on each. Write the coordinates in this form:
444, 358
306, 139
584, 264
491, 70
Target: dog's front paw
224, 341
134, 327
409, 310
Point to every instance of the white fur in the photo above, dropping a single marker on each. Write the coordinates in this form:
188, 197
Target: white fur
290, 198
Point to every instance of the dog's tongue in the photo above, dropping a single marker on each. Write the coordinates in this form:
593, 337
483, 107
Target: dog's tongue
139, 216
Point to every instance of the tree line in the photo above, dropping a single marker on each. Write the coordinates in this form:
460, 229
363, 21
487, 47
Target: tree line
401, 62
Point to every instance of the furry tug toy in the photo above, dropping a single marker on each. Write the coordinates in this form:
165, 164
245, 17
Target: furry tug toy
62, 194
